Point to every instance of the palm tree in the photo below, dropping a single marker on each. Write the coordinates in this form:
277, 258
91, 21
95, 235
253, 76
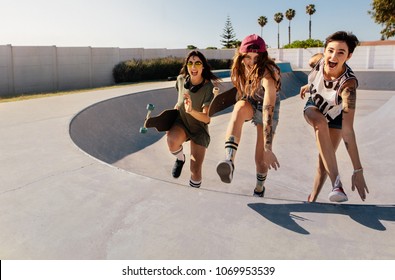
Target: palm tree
310, 9
289, 14
262, 20
278, 17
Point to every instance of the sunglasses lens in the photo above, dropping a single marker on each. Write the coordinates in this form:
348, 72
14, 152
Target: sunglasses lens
197, 64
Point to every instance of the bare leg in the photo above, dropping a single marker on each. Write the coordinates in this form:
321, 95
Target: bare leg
197, 156
321, 174
175, 138
261, 167
241, 113
324, 142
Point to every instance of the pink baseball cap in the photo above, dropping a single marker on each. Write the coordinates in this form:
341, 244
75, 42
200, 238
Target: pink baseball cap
252, 43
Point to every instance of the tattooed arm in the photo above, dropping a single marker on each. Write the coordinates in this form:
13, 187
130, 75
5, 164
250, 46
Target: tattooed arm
268, 111
269, 101
349, 97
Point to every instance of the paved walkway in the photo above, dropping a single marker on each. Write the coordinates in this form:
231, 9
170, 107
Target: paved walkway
59, 202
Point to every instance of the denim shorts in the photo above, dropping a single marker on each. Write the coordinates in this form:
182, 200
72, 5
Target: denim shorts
257, 117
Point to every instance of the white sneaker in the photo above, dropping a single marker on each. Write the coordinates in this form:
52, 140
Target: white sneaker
337, 194
225, 170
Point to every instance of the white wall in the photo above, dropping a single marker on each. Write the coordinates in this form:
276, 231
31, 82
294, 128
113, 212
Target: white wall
25, 69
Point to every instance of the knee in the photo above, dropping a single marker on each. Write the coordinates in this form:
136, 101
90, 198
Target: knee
241, 110
318, 123
172, 142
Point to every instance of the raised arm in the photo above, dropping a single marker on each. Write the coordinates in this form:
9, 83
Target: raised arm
200, 116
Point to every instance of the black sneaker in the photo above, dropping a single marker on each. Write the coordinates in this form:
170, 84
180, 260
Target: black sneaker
259, 194
177, 168
225, 170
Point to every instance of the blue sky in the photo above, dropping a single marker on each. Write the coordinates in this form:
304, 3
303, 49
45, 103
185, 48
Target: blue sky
173, 23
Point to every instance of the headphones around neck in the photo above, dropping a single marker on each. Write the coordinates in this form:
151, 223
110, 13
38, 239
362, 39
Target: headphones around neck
193, 88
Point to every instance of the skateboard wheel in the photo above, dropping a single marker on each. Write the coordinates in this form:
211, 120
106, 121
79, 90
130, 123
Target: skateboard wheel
150, 107
215, 90
143, 130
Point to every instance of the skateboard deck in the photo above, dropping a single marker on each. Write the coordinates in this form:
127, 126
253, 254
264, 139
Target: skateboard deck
222, 100
161, 122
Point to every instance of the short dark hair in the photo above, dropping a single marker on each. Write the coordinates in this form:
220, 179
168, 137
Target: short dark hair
350, 39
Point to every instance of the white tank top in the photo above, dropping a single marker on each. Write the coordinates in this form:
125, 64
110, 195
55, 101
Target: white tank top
326, 94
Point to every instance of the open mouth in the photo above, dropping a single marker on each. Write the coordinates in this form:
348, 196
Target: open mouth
332, 64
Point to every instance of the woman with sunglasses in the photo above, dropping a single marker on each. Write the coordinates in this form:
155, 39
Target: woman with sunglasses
257, 79
195, 92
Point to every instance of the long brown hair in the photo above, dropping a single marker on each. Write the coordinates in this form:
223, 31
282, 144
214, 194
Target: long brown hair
242, 82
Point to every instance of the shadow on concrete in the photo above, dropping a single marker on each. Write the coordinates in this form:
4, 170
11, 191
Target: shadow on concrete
287, 215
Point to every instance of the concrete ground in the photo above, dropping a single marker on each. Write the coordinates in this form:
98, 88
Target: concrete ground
78, 181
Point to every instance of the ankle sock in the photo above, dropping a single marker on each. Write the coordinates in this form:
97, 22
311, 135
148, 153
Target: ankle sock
195, 184
260, 179
179, 154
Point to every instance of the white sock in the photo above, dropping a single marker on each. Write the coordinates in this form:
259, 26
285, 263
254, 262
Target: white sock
195, 184
179, 154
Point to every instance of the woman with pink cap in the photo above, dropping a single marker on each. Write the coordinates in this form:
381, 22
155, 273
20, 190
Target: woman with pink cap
257, 79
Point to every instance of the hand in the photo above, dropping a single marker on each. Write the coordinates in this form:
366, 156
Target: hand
358, 182
187, 103
271, 160
303, 91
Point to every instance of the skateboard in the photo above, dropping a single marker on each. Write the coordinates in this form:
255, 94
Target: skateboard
223, 100
162, 122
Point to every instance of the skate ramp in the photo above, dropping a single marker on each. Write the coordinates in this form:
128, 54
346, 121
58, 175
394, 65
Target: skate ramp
58, 203
109, 131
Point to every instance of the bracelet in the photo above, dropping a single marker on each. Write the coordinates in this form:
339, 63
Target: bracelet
357, 170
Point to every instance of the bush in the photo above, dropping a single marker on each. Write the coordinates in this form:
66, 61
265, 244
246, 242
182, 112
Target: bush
145, 70
217, 64
156, 69
309, 43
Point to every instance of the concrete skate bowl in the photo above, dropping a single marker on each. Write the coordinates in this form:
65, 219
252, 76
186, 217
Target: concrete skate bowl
109, 132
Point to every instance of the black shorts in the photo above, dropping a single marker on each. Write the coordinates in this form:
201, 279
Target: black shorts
332, 123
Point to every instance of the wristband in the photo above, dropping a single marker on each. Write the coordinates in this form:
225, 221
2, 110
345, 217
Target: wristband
357, 170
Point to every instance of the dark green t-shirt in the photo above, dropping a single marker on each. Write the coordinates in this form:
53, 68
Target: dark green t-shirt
196, 130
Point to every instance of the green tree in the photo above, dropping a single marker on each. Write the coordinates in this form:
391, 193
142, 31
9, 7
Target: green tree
309, 43
228, 36
278, 17
191, 47
310, 9
384, 13
262, 20
289, 14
